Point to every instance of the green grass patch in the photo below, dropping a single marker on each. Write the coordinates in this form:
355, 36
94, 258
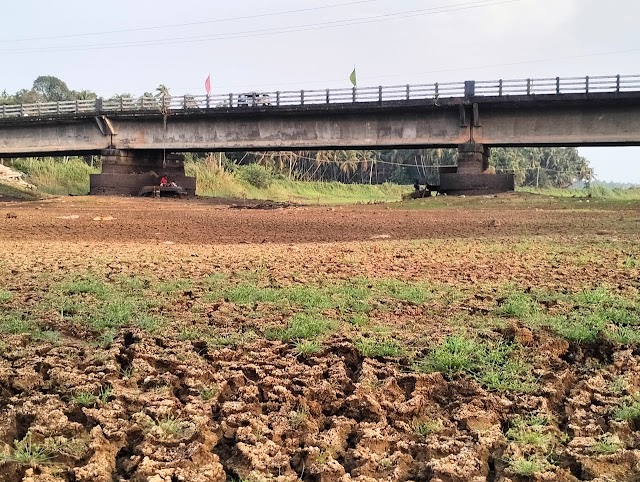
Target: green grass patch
529, 466
607, 445
308, 347
416, 293
517, 305
496, 365
303, 327
629, 409
28, 453
87, 286
532, 431
174, 286
377, 347
5, 296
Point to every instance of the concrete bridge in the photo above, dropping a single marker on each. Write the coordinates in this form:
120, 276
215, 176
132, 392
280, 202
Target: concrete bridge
134, 135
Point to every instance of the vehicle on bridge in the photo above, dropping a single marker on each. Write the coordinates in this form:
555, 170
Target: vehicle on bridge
254, 99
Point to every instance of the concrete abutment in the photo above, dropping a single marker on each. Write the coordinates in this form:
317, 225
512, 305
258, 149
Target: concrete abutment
471, 175
125, 172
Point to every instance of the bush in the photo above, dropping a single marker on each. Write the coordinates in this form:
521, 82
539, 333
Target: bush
256, 175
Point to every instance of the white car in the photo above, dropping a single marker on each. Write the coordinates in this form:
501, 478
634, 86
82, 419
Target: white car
253, 99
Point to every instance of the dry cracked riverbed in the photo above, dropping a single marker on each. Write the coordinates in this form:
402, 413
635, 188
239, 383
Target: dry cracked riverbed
478, 340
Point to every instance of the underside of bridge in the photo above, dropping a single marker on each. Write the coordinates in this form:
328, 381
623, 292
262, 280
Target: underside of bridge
126, 172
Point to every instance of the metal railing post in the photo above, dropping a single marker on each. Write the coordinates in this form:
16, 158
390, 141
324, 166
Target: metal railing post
408, 94
586, 84
618, 83
77, 107
500, 88
58, 107
557, 85
99, 104
230, 100
328, 96
208, 104
380, 94
354, 94
278, 98
469, 88
122, 103
528, 86
184, 102
436, 90
302, 97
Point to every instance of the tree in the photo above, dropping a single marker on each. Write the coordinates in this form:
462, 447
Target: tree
52, 89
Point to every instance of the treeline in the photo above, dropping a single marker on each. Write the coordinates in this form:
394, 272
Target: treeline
534, 167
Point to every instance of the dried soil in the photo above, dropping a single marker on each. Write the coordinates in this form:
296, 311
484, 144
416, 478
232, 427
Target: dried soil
180, 411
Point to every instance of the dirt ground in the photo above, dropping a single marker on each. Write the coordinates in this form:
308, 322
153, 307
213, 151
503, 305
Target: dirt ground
197, 380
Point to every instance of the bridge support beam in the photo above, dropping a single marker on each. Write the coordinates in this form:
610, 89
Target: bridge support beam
125, 172
471, 176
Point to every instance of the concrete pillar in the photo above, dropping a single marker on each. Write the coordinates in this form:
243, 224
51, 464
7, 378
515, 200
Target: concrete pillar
472, 158
469, 177
125, 172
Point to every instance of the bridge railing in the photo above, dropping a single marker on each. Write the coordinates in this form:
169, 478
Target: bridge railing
168, 104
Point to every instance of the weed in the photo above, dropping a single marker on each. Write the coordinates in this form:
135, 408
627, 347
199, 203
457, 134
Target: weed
105, 340
84, 399
618, 386
303, 327
399, 290
358, 320
15, 324
631, 262
529, 466
87, 286
150, 323
518, 305
209, 393
298, 416
27, 452
114, 314
531, 431
307, 347
373, 347
174, 286
629, 410
623, 335
607, 445
5, 296
170, 426
425, 428
455, 355
599, 296
105, 394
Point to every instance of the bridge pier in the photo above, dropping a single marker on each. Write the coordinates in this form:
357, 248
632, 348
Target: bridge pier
471, 176
124, 172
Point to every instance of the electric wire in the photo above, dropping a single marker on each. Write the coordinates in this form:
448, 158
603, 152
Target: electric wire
267, 32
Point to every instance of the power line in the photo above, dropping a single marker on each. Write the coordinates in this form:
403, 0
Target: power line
272, 31
189, 24
440, 71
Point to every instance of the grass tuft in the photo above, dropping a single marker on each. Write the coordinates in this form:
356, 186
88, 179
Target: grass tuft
376, 347
26, 452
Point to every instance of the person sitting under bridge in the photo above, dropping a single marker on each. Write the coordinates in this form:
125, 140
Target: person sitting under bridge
164, 181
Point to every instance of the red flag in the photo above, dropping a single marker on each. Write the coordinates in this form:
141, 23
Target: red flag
207, 84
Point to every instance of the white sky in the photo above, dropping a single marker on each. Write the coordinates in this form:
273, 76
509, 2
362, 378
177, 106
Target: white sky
471, 40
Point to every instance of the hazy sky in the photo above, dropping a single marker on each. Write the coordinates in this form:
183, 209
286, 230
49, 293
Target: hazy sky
123, 46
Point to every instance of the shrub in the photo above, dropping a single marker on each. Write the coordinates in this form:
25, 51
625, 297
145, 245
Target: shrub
256, 175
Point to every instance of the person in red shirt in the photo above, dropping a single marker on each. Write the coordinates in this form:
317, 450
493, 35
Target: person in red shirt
164, 181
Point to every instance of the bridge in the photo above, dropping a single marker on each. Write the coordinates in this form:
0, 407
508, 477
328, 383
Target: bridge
134, 135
